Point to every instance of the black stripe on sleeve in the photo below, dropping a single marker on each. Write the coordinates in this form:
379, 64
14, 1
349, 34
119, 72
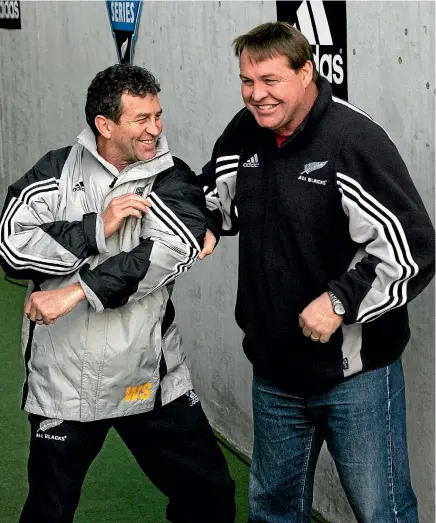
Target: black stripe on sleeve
77, 237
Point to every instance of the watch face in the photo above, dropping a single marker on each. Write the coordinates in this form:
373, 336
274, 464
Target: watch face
339, 309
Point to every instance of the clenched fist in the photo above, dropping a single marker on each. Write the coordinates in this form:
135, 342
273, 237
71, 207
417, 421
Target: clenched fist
45, 307
318, 320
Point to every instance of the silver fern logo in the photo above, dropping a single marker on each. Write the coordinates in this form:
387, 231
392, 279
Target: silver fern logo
49, 424
313, 166
124, 50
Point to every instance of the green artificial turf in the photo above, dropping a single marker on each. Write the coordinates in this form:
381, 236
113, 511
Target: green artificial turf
115, 489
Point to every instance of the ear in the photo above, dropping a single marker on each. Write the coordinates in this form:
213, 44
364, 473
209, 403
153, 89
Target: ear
307, 73
103, 125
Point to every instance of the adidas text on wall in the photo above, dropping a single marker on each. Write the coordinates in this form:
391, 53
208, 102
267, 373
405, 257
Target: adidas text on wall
10, 14
324, 24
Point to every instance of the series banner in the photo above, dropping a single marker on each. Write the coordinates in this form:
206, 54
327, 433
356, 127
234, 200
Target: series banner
124, 16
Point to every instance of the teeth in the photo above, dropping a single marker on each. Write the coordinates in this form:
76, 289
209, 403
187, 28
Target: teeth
270, 106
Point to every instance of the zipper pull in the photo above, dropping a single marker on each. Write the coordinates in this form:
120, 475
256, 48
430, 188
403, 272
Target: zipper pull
113, 182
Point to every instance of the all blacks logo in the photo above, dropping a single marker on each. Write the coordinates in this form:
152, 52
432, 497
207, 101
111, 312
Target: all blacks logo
324, 24
10, 14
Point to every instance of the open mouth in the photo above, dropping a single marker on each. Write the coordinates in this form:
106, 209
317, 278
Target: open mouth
266, 107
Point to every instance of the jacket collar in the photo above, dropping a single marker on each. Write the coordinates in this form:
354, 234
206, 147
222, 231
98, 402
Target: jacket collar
321, 105
143, 169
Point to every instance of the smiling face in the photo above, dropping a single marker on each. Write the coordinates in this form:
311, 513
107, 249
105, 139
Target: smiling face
278, 96
134, 137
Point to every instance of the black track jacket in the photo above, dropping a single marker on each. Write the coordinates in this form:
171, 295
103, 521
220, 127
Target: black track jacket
333, 208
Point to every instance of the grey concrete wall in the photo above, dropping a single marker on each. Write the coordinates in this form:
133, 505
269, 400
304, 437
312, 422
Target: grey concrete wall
45, 69
391, 49
44, 72
198, 54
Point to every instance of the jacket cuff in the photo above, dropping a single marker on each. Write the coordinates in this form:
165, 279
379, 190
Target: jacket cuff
89, 230
92, 298
213, 224
349, 316
99, 235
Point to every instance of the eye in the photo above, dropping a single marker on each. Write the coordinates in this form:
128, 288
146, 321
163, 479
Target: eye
158, 117
271, 81
246, 81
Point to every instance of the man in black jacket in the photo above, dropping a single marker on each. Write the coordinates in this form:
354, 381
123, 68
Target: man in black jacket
334, 241
101, 229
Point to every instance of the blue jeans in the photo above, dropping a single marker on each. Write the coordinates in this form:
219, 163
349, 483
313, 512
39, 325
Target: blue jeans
362, 420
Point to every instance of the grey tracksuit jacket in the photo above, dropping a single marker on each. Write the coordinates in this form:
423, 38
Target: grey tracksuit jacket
119, 352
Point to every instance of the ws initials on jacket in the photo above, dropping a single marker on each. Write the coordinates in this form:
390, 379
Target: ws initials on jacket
118, 352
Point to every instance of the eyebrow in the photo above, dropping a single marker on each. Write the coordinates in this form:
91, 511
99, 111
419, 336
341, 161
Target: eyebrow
146, 115
263, 77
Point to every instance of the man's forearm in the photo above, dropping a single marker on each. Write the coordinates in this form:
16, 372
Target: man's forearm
47, 306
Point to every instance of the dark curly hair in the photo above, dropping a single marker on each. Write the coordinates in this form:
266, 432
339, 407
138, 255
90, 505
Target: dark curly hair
104, 93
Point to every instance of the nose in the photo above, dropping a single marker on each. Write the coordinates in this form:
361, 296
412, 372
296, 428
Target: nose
154, 128
258, 93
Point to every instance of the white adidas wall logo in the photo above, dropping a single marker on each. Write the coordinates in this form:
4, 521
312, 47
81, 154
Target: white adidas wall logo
330, 66
252, 162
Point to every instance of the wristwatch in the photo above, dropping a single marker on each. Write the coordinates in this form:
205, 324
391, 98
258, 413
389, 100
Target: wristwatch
338, 307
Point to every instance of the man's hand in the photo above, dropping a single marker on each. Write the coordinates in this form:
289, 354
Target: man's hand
318, 319
45, 307
209, 245
120, 208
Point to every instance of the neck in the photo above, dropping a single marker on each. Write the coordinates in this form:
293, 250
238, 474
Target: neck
106, 151
302, 111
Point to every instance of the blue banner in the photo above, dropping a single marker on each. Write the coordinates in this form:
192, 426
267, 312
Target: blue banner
124, 16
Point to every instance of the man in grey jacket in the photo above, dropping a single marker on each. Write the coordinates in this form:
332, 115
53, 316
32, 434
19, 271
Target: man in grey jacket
100, 230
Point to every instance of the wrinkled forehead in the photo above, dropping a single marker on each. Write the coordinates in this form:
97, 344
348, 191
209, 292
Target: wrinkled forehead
142, 103
256, 55
263, 64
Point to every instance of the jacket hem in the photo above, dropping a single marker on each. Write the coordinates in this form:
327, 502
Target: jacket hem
58, 413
